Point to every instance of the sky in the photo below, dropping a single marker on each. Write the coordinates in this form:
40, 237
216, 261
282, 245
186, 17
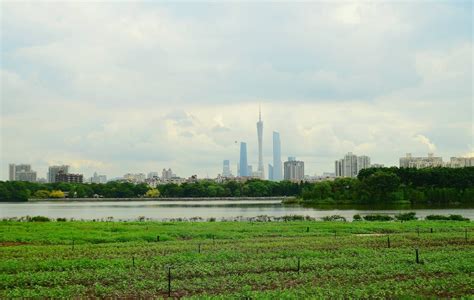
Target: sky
118, 87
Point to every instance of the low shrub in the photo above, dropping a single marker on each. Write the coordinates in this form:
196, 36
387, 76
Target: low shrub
410, 216
334, 218
377, 217
446, 218
38, 219
357, 217
61, 220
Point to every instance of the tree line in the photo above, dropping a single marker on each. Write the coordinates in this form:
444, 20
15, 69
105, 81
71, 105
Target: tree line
375, 185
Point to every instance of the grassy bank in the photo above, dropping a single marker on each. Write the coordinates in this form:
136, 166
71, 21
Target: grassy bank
236, 259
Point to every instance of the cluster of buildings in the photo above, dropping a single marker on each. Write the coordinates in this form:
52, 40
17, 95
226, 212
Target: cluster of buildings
292, 169
23, 172
431, 161
351, 164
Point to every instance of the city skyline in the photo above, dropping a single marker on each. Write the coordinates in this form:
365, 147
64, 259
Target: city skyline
162, 86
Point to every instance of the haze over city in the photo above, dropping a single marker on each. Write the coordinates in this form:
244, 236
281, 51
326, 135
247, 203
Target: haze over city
137, 87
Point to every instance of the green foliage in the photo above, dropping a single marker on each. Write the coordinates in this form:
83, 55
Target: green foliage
152, 193
56, 194
237, 260
377, 217
372, 186
41, 194
334, 218
39, 219
357, 217
410, 216
446, 218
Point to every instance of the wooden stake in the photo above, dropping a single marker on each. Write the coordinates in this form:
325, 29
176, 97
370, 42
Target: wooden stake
169, 281
417, 256
298, 265
388, 241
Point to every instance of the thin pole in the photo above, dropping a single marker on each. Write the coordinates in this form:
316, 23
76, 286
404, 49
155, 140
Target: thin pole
388, 241
298, 265
169, 281
417, 256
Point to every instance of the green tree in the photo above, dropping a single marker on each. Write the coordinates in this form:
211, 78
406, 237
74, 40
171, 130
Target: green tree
41, 194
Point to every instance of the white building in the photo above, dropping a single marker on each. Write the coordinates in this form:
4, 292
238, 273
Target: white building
293, 170
98, 178
351, 164
152, 175
135, 178
167, 174
430, 161
21, 172
460, 162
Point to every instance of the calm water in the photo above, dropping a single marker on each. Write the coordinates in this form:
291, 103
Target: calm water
206, 209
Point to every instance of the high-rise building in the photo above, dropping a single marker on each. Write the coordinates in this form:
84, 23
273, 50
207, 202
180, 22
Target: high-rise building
339, 168
460, 162
277, 176
363, 162
431, 161
243, 160
226, 168
270, 172
294, 170
152, 175
351, 164
260, 144
68, 177
21, 172
98, 178
167, 174
53, 170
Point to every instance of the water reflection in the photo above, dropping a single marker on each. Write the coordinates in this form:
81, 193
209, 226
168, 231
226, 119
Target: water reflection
160, 210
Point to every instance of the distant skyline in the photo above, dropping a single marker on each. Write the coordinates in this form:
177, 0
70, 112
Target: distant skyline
136, 87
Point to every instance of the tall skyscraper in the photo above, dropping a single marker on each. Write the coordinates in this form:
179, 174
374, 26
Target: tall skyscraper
226, 168
53, 170
270, 172
260, 143
277, 170
243, 160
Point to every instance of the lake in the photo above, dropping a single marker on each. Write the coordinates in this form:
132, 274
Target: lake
163, 210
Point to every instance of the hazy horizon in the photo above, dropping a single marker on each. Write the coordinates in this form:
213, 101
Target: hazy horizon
142, 86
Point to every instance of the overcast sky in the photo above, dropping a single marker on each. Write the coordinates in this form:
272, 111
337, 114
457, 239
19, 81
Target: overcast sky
137, 87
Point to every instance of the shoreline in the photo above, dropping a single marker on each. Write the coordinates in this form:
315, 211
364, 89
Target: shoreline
161, 199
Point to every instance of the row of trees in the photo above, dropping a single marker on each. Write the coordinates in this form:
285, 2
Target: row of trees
22, 191
376, 185
388, 185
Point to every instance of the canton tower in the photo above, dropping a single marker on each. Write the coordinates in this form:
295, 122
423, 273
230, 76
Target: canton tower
260, 142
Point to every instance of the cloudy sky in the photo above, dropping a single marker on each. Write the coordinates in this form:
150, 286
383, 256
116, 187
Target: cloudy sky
140, 86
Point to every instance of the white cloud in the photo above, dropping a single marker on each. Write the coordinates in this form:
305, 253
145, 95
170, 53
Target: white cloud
122, 87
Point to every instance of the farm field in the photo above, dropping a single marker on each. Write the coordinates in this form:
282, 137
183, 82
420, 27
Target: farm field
259, 260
